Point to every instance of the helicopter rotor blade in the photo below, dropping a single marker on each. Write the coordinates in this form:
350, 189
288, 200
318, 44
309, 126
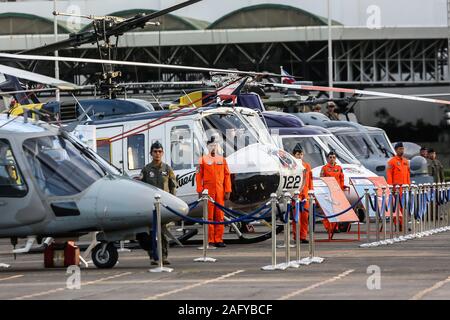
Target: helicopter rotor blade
130, 63
36, 77
360, 92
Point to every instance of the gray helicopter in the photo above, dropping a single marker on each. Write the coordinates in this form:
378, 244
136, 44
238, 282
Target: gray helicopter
54, 188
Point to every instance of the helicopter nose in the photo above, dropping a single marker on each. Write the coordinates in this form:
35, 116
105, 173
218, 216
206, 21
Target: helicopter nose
122, 203
255, 176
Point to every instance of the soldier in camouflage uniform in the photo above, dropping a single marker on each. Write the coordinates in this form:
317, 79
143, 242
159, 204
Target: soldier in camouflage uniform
159, 174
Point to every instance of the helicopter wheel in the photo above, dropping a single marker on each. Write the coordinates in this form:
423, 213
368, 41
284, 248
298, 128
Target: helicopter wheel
106, 260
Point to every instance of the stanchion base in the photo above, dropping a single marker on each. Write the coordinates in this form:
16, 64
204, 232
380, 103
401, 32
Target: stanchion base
313, 259
205, 259
123, 250
207, 248
302, 262
161, 269
271, 267
4, 265
283, 266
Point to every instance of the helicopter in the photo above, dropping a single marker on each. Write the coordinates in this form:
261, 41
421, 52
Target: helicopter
53, 188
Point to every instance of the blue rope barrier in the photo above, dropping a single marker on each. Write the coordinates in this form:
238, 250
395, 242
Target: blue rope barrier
372, 205
201, 221
194, 204
238, 213
341, 213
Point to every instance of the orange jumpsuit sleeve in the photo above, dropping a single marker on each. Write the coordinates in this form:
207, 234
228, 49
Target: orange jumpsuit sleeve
389, 172
226, 177
408, 175
322, 172
199, 175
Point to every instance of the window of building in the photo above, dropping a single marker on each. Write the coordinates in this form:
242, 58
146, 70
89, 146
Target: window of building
136, 152
11, 181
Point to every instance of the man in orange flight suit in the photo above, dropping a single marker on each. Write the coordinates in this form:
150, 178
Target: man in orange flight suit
397, 172
331, 169
298, 154
213, 174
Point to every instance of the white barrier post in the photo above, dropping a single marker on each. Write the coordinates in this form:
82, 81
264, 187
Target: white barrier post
419, 205
439, 206
273, 266
298, 261
383, 214
447, 188
428, 192
434, 190
397, 211
367, 213
391, 216
412, 213
160, 267
405, 189
377, 218
287, 236
205, 247
312, 254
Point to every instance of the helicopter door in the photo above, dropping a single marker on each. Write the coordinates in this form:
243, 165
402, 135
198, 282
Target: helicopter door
12, 191
181, 158
111, 152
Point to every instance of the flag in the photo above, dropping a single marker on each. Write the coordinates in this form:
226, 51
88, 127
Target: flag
286, 77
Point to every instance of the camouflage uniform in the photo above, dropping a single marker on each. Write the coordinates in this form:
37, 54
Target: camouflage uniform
162, 177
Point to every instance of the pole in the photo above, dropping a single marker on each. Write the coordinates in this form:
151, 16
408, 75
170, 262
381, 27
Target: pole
405, 189
55, 30
397, 211
330, 50
205, 247
273, 266
412, 213
384, 214
434, 189
160, 267
391, 216
297, 226
366, 194
421, 218
312, 246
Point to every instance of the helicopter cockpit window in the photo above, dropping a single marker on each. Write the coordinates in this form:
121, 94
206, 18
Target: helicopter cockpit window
358, 145
181, 147
383, 145
313, 153
136, 152
233, 132
11, 181
344, 155
60, 168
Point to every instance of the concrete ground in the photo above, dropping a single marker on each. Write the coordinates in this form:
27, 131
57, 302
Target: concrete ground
417, 269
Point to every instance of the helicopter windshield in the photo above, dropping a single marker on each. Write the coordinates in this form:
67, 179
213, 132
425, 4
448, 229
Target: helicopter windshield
342, 152
359, 145
313, 152
254, 121
382, 143
232, 132
59, 167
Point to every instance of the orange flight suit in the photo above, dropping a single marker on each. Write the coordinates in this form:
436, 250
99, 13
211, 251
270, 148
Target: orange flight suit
213, 174
336, 172
304, 196
397, 173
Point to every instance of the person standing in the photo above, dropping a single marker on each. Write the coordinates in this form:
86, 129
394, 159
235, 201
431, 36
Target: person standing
398, 172
213, 175
161, 175
308, 185
331, 111
331, 169
435, 167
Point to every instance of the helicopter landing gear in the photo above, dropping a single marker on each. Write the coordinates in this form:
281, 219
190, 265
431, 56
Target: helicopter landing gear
105, 255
